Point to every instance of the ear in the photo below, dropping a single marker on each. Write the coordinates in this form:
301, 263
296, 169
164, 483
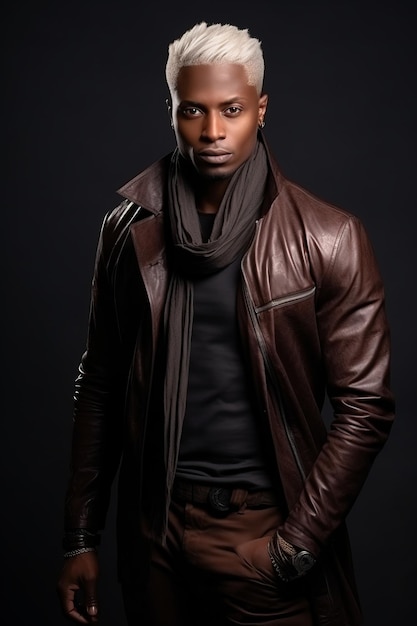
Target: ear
169, 109
262, 106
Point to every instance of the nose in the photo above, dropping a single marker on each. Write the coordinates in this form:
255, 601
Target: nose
213, 127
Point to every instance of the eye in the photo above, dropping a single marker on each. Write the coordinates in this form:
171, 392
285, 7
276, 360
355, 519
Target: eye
233, 111
190, 111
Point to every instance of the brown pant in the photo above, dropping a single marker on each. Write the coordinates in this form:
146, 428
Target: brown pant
216, 571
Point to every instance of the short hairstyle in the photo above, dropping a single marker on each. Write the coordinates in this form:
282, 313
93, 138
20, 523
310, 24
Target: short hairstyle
216, 44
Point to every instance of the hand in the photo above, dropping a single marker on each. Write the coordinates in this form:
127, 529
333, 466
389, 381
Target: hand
254, 554
79, 575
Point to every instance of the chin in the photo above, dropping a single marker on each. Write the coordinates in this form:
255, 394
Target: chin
215, 173
207, 175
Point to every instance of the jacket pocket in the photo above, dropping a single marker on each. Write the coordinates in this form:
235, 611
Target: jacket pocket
290, 298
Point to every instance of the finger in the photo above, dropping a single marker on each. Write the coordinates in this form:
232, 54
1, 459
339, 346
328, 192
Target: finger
92, 608
76, 616
91, 603
69, 608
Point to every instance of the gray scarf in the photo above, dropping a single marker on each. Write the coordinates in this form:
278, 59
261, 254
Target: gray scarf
232, 232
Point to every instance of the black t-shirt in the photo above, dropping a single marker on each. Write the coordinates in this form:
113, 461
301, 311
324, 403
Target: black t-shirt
220, 442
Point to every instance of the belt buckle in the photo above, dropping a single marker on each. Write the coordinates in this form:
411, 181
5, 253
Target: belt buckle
219, 499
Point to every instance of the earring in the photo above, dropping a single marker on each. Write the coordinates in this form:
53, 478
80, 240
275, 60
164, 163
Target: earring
261, 124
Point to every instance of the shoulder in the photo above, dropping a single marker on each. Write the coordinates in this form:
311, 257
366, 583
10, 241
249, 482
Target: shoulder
328, 239
319, 224
116, 224
309, 211
292, 206
121, 217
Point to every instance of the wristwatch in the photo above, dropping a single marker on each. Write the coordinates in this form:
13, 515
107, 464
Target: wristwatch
288, 561
302, 561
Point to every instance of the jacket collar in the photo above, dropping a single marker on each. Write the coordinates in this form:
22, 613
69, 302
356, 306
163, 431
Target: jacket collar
275, 178
148, 189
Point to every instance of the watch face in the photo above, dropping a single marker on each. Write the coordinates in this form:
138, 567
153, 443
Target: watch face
303, 561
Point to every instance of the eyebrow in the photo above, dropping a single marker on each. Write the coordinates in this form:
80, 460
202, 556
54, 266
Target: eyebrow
229, 101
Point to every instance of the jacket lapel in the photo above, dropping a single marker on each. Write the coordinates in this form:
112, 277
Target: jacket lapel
148, 242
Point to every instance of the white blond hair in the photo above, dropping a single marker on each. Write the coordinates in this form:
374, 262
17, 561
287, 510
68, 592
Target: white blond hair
216, 44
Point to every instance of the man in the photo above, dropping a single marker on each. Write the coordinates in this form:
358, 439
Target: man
226, 300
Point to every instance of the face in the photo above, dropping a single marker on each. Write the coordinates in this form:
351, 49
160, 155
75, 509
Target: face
216, 114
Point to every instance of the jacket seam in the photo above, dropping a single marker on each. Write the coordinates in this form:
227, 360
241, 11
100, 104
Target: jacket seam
335, 250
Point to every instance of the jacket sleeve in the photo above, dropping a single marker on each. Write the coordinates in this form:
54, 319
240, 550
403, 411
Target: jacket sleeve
98, 404
355, 345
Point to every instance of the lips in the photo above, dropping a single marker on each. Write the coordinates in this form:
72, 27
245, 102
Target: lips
214, 156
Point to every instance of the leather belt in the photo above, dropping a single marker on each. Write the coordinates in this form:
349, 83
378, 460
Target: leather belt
222, 500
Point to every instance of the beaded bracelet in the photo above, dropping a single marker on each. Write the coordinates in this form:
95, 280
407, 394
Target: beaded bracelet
77, 551
288, 562
276, 566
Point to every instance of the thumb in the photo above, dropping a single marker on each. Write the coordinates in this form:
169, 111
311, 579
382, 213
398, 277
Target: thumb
91, 602
92, 608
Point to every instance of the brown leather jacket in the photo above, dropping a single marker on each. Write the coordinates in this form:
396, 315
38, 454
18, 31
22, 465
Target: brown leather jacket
311, 313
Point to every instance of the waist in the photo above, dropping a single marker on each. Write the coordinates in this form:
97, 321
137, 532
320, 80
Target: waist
221, 499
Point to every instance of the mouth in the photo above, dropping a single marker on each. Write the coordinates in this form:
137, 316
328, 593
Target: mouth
214, 157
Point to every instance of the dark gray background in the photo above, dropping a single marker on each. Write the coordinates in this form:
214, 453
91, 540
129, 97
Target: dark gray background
83, 98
